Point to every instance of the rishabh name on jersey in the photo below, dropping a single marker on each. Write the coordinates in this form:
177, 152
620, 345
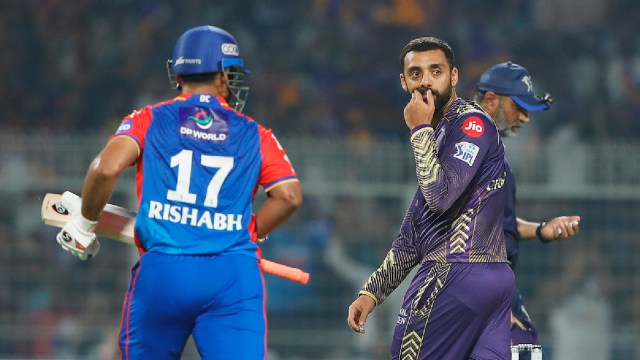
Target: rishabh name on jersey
204, 124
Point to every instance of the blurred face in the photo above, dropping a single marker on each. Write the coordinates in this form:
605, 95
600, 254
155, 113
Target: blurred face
509, 117
425, 70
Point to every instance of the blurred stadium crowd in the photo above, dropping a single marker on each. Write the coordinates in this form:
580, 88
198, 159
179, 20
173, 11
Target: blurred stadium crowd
320, 69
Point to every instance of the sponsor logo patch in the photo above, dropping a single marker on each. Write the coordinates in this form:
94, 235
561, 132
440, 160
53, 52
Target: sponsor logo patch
182, 61
230, 49
57, 207
527, 81
473, 126
466, 152
201, 123
66, 237
125, 126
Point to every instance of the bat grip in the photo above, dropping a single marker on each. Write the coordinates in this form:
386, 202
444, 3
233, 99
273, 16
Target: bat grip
284, 271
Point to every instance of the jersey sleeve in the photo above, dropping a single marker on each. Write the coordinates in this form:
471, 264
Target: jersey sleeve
134, 126
443, 175
276, 168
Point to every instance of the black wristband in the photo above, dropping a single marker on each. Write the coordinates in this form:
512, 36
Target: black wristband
539, 233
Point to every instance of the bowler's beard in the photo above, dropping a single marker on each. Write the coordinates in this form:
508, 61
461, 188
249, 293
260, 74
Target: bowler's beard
440, 99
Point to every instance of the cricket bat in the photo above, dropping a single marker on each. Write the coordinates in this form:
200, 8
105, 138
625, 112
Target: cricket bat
117, 223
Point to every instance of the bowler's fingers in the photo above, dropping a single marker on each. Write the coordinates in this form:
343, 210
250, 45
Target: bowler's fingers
356, 318
430, 97
359, 310
416, 96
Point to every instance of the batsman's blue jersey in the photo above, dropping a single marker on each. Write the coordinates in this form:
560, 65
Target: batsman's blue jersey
200, 168
200, 165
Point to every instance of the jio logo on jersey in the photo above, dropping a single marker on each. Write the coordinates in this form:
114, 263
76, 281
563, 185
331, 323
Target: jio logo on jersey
201, 123
473, 126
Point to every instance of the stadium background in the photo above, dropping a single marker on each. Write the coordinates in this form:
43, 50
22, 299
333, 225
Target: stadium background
325, 78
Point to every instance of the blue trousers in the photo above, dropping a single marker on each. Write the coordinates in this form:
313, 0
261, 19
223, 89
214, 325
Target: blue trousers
217, 299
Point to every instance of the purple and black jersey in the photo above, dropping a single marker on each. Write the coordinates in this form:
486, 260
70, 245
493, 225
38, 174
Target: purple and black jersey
457, 305
456, 213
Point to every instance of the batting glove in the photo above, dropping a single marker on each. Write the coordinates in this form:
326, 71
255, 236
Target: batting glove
78, 238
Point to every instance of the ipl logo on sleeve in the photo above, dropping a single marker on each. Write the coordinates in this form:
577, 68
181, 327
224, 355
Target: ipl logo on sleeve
466, 152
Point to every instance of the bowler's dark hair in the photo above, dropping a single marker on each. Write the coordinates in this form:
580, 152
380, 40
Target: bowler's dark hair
427, 43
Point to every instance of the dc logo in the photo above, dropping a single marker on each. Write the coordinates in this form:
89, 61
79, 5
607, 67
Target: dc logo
124, 127
230, 49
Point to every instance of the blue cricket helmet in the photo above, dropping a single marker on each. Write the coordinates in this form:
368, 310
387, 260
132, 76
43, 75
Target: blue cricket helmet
209, 49
205, 49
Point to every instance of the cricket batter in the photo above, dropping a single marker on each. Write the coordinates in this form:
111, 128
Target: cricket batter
199, 163
457, 305
505, 91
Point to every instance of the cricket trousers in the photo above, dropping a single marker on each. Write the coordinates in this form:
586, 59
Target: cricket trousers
456, 311
219, 300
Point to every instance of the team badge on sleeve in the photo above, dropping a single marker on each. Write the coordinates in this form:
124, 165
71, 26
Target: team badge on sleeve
124, 127
473, 126
466, 152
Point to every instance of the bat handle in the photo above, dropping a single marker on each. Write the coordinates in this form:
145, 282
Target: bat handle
284, 271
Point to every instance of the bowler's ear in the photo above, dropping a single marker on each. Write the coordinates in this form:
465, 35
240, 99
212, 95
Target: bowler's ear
403, 83
454, 77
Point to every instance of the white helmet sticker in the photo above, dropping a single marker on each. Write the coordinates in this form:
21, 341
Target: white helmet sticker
230, 49
181, 60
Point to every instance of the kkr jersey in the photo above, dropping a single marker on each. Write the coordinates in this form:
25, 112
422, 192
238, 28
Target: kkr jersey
456, 213
200, 166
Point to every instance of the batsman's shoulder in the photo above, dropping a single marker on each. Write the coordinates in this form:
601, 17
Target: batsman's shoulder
139, 114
